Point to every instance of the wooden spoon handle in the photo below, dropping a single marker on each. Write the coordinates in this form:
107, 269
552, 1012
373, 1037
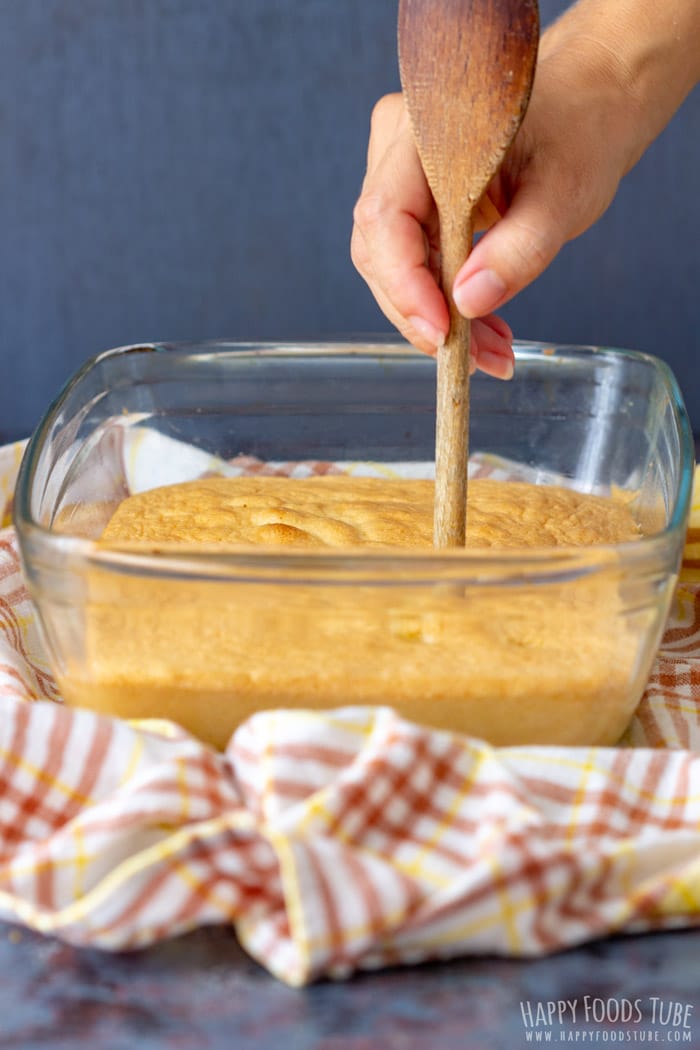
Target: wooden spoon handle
452, 423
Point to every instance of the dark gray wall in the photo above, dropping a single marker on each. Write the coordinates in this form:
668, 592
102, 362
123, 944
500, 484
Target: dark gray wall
175, 169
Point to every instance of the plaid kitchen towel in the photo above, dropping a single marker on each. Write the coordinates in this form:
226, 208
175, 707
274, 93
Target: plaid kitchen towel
348, 839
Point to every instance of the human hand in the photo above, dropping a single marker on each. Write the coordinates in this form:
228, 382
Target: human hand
608, 79
395, 245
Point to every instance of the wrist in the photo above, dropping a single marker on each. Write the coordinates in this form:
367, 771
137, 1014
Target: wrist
644, 55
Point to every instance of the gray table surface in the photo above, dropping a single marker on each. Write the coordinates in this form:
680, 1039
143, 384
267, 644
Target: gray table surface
201, 991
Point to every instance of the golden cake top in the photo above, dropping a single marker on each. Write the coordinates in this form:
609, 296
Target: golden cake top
343, 511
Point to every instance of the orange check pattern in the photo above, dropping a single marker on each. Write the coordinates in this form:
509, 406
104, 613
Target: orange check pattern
348, 839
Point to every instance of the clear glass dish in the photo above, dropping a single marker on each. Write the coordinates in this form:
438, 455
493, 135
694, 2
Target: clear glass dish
550, 646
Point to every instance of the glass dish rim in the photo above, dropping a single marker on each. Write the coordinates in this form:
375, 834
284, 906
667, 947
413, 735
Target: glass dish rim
560, 562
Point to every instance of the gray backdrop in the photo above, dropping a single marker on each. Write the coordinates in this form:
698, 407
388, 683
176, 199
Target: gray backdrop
175, 169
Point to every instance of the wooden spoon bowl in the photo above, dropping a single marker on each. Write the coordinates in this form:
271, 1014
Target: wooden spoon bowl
467, 68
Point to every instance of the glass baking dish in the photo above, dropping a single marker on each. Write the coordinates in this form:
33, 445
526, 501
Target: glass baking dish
543, 646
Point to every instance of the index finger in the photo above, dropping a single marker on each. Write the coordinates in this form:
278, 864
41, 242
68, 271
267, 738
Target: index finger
396, 218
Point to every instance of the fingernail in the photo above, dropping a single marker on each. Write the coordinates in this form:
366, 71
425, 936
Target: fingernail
479, 294
428, 331
496, 364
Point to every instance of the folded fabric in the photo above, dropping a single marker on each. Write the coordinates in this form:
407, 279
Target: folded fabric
347, 839
340, 840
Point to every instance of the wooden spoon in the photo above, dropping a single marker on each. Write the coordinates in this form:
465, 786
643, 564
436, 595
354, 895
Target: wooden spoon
466, 70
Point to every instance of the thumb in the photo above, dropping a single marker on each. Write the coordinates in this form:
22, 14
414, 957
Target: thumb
512, 253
